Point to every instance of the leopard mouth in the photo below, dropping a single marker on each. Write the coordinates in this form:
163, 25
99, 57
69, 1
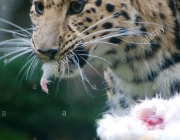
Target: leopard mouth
67, 66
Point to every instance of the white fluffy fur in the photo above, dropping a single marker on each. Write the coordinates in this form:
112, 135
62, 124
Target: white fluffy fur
52, 69
131, 127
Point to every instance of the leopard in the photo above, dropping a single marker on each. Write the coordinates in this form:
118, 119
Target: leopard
136, 42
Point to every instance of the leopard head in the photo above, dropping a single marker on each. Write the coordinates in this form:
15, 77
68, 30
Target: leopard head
68, 34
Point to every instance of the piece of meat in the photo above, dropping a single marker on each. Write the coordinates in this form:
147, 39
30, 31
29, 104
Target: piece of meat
152, 120
44, 85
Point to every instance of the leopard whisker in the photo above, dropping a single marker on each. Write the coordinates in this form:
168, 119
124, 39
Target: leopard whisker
58, 84
108, 17
23, 53
100, 42
151, 23
119, 30
30, 66
97, 57
95, 41
28, 29
12, 49
59, 78
23, 69
30, 56
7, 55
34, 66
116, 35
21, 41
13, 32
77, 65
68, 74
95, 24
83, 76
134, 42
10, 23
91, 66
101, 31
110, 36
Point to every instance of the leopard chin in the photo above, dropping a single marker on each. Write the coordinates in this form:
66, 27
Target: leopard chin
53, 69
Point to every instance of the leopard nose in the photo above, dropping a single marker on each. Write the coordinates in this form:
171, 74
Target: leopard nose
49, 53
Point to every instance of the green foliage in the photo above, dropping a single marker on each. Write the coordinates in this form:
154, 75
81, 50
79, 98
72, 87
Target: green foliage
65, 115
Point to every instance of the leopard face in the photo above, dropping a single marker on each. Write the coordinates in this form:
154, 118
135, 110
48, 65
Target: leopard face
70, 33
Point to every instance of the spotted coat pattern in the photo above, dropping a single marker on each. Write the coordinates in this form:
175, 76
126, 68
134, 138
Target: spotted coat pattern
139, 39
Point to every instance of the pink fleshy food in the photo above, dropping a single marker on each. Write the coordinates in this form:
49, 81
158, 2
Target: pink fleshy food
44, 85
152, 120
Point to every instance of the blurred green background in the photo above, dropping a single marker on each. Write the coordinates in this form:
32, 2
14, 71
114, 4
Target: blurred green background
27, 113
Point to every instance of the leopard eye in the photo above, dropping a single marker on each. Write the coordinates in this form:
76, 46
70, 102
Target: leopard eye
77, 6
39, 8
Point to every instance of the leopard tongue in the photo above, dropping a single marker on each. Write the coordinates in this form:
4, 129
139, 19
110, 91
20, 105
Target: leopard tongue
44, 85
